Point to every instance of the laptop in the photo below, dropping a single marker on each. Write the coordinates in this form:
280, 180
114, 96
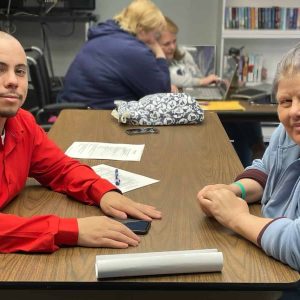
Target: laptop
220, 90
261, 93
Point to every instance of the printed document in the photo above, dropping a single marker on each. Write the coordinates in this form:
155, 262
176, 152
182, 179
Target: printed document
93, 150
155, 263
127, 181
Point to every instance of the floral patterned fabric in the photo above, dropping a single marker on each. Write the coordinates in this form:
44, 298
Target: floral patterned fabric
159, 109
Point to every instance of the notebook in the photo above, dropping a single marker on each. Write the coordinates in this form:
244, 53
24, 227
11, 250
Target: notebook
218, 91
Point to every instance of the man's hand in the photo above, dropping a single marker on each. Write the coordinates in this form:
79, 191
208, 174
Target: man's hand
105, 232
119, 206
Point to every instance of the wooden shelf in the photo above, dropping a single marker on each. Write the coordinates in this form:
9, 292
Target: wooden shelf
260, 34
270, 43
59, 17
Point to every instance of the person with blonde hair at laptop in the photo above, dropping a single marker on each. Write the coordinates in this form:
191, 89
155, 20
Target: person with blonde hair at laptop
121, 60
184, 71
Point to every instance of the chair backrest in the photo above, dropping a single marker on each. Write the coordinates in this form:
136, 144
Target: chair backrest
39, 74
45, 92
37, 81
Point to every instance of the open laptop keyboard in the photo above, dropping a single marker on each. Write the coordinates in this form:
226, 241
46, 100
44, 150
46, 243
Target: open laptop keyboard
204, 93
209, 93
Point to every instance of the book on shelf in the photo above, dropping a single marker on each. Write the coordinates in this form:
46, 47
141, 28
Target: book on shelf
273, 17
250, 67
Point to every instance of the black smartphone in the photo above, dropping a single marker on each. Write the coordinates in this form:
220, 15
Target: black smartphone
137, 226
141, 130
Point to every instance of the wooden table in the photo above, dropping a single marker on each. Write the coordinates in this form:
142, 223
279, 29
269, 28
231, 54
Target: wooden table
252, 112
184, 159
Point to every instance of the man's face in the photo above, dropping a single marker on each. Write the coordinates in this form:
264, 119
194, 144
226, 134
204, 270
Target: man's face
168, 42
13, 77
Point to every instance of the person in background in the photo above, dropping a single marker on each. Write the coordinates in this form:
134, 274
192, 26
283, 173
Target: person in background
121, 60
26, 150
184, 72
274, 180
183, 69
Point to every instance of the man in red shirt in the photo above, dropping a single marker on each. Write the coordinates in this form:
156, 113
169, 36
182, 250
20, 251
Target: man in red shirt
25, 150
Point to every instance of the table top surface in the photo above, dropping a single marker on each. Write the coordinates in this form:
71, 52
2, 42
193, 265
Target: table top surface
252, 112
184, 159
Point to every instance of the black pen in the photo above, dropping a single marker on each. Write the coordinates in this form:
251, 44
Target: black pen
117, 179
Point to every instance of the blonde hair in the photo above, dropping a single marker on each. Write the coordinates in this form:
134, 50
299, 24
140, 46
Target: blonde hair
173, 28
141, 13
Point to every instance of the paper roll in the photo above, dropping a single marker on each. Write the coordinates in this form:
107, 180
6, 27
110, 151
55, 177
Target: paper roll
155, 263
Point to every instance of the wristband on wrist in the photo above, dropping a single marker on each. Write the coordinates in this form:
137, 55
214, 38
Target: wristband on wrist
242, 188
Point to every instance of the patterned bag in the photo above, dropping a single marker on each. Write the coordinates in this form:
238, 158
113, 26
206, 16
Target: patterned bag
159, 109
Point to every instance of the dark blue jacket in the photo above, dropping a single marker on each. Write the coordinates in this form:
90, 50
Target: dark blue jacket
112, 65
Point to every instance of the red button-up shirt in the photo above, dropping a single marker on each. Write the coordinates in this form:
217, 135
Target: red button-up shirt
27, 151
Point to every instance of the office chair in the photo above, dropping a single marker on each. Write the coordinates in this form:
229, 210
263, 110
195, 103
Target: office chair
44, 91
54, 84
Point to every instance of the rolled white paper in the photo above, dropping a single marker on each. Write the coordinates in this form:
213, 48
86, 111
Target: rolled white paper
155, 263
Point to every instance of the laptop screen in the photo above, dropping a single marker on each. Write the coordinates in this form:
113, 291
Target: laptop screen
228, 75
205, 58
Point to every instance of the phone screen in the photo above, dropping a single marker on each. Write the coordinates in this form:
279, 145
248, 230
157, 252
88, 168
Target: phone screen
137, 226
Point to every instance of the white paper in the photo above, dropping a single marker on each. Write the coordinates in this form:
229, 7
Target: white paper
93, 150
156, 263
128, 181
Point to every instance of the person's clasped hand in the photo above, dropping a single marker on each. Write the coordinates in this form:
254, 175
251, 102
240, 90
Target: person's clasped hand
223, 205
211, 187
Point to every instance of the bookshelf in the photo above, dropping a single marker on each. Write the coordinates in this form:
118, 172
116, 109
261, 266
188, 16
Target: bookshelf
270, 43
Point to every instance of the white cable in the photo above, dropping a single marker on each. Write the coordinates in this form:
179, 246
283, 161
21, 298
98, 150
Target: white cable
52, 6
8, 8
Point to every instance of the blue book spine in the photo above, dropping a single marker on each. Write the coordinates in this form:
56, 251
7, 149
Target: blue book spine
295, 17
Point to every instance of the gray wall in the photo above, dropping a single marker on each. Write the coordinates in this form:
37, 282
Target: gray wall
198, 20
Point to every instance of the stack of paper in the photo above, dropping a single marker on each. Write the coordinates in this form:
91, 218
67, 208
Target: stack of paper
155, 263
93, 150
